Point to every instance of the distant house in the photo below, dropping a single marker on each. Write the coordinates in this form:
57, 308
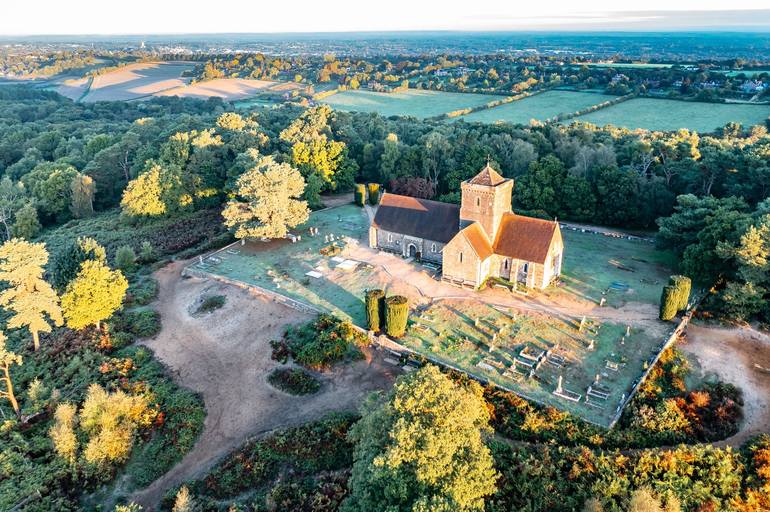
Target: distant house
753, 86
479, 239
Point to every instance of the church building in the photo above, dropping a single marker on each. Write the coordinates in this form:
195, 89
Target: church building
481, 238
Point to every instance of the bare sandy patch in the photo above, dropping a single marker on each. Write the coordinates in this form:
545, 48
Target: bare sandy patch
225, 355
138, 80
226, 88
732, 354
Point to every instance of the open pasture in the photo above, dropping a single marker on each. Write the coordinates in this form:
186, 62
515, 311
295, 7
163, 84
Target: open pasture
540, 106
664, 115
416, 103
229, 89
137, 81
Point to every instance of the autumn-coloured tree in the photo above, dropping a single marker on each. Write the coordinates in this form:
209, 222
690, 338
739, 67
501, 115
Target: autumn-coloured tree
110, 420
30, 298
8, 359
94, 295
268, 203
62, 433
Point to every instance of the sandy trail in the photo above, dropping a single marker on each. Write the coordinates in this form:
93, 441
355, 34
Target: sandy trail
225, 355
731, 354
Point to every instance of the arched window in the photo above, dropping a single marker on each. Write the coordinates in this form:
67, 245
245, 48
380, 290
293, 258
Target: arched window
432, 247
478, 201
505, 264
390, 237
461, 257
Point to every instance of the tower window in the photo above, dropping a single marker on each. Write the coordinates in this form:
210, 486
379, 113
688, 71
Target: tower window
478, 201
505, 264
432, 247
390, 237
461, 257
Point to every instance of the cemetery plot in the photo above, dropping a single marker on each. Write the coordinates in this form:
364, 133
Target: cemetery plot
582, 366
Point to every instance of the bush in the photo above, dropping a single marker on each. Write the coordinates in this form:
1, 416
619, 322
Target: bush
146, 253
142, 292
396, 314
669, 303
374, 193
211, 303
125, 258
360, 194
142, 324
323, 342
374, 309
294, 381
683, 286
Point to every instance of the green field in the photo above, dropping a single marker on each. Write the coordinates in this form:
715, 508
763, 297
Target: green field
664, 115
420, 104
540, 106
632, 65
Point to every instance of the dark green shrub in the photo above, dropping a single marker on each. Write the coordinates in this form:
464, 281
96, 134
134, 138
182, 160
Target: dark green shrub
669, 303
142, 324
360, 194
396, 315
294, 381
323, 342
211, 303
142, 292
374, 309
125, 258
374, 193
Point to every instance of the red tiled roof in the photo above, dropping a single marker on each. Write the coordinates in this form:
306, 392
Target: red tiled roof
478, 240
421, 218
488, 177
524, 238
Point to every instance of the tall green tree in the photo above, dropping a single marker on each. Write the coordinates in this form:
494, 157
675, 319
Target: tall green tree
32, 300
423, 448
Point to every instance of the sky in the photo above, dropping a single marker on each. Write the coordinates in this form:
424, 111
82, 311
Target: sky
35, 17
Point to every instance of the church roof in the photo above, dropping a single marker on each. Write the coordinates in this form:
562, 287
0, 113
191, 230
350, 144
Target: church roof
487, 177
524, 238
478, 240
421, 218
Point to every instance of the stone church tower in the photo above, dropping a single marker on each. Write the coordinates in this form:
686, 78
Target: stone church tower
485, 198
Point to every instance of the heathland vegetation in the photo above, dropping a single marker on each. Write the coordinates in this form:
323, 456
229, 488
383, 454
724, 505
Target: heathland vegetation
96, 195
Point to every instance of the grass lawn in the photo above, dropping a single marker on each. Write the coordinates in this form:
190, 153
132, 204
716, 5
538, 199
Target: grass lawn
540, 106
474, 335
415, 103
624, 270
663, 114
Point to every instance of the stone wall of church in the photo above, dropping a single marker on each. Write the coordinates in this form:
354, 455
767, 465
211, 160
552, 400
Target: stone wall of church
461, 265
399, 243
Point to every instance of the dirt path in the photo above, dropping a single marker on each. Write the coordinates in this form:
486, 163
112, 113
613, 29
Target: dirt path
225, 355
731, 353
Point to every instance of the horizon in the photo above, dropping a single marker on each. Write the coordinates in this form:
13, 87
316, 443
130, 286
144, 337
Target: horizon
174, 18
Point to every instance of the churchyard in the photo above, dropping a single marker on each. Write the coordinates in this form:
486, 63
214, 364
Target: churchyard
528, 343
